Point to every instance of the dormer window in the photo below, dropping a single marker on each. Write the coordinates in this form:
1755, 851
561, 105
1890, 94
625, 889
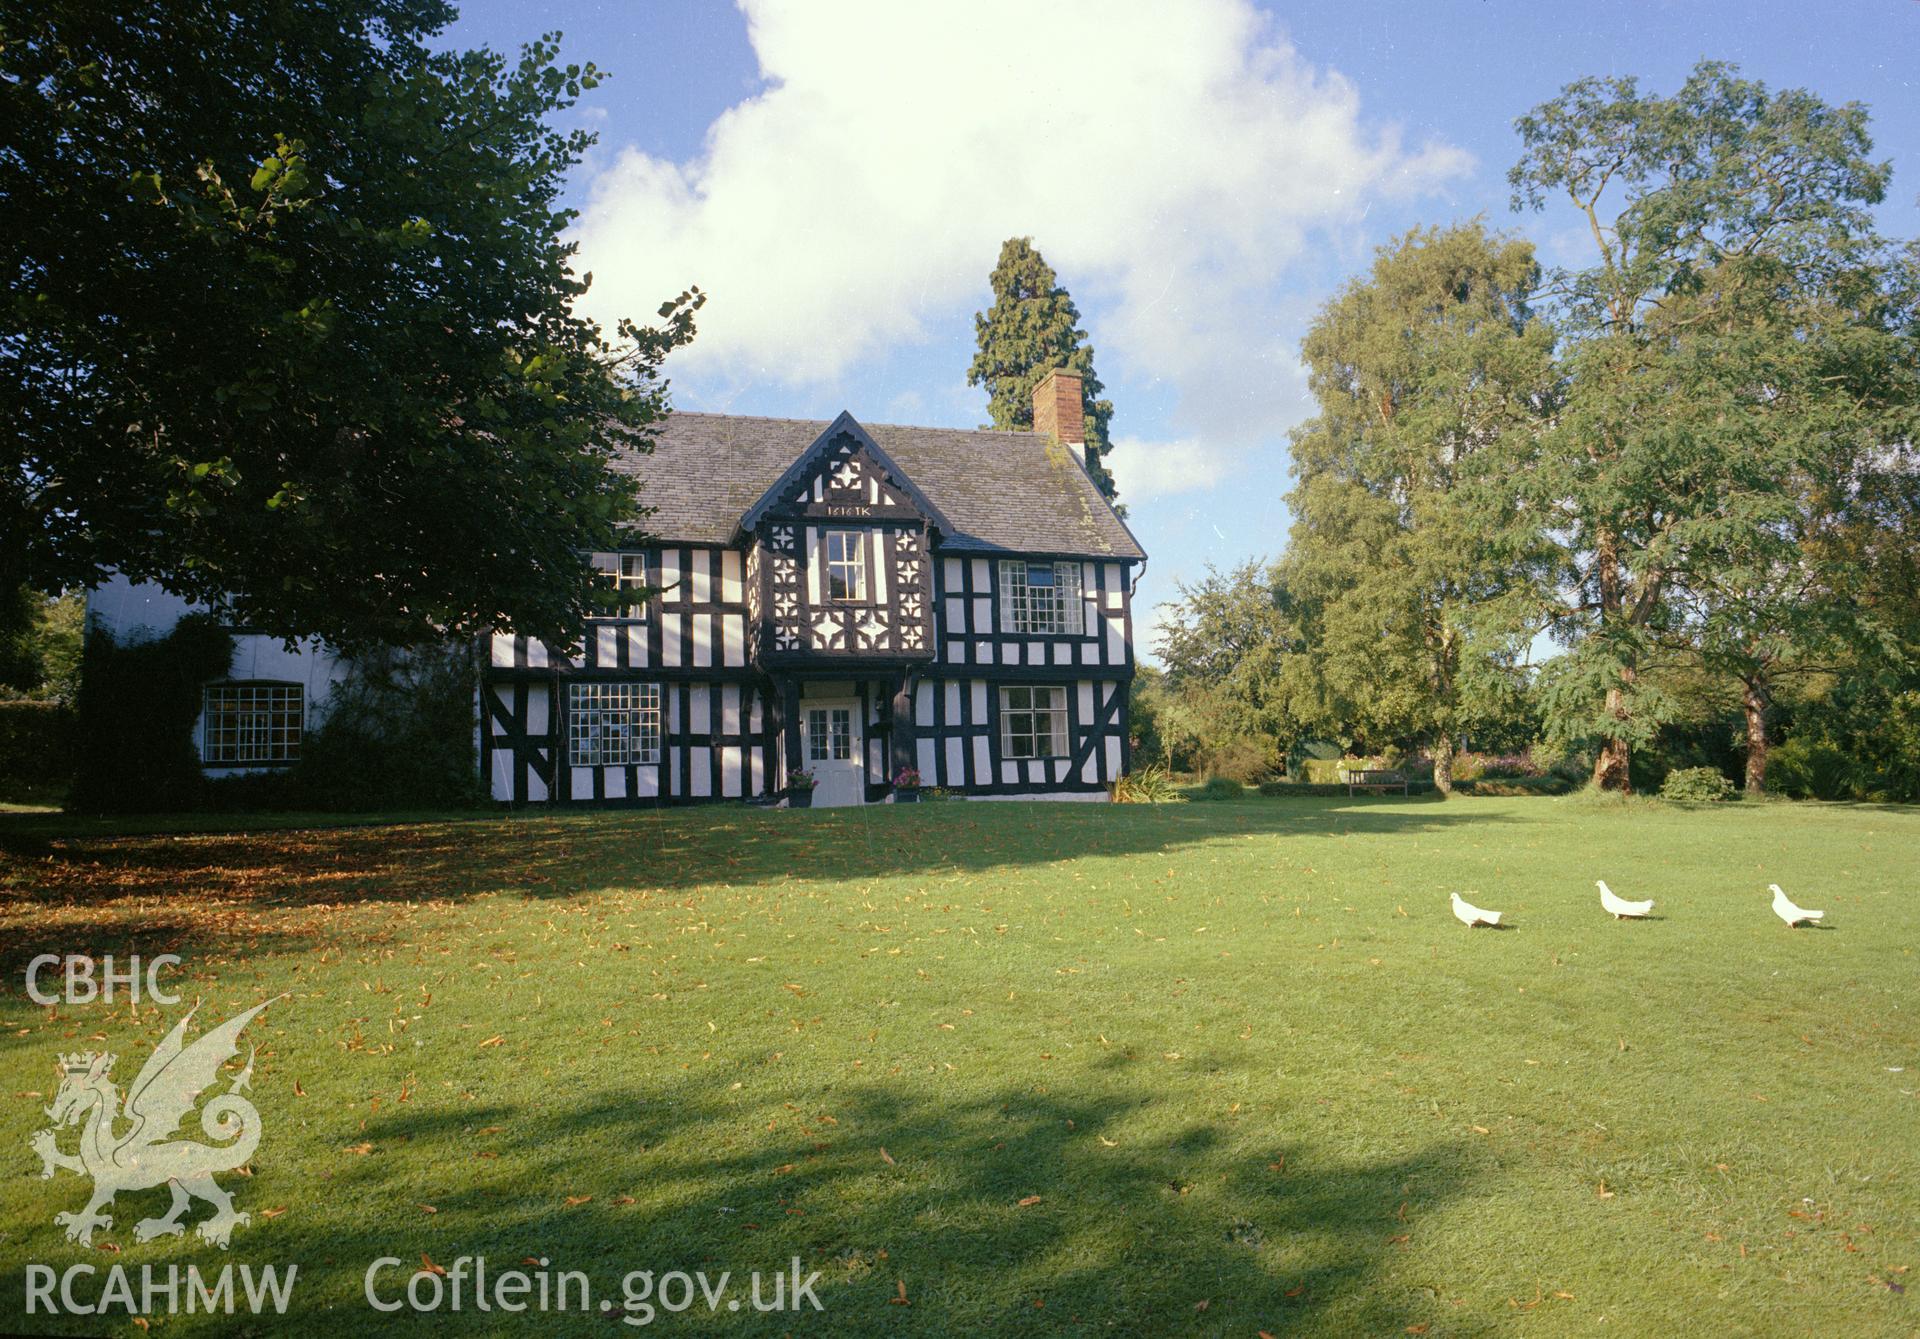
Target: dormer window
1041, 599
846, 565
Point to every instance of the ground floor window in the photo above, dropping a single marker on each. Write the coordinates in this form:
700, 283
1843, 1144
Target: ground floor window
1033, 722
253, 724
613, 724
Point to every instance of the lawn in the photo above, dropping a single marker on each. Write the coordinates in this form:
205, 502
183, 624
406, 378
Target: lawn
1213, 1068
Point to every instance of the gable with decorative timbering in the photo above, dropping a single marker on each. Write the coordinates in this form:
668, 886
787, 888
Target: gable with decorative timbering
838, 552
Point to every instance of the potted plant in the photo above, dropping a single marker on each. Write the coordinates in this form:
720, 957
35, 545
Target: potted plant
800, 784
906, 786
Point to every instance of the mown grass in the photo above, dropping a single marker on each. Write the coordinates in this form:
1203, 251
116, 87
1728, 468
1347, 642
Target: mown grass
1041, 1069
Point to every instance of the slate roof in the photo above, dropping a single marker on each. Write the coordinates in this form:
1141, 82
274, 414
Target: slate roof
1011, 492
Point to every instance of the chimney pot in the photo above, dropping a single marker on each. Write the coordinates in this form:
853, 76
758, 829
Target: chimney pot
1058, 408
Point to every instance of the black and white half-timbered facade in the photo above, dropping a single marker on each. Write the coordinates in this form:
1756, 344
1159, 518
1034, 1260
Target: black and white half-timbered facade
847, 600
844, 600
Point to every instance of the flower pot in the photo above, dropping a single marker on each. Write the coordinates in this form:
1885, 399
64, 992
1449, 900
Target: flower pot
906, 794
800, 799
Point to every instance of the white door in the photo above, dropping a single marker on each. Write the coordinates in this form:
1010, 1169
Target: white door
835, 753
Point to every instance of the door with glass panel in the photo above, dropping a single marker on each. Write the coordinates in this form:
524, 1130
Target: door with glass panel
830, 743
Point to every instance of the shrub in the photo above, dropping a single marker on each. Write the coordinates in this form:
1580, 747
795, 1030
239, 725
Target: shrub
1696, 785
397, 733
1222, 788
1242, 759
1517, 785
1149, 785
1812, 769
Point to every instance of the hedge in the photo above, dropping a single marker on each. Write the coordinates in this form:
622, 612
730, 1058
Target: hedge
36, 750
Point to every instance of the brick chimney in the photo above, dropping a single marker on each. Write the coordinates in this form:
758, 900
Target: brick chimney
1058, 411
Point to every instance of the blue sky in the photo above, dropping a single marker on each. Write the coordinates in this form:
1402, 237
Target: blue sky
838, 177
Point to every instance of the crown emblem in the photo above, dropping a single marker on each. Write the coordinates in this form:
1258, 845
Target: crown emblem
81, 1062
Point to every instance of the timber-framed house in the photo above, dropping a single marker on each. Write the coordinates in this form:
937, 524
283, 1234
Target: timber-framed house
850, 600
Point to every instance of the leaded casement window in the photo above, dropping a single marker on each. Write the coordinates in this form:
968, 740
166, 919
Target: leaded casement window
252, 724
613, 724
1041, 599
1033, 722
846, 565
627, 574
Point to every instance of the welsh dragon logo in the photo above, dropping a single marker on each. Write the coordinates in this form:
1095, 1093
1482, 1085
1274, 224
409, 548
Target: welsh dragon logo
130, 1147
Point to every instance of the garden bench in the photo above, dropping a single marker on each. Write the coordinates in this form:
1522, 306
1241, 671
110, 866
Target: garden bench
1376, 779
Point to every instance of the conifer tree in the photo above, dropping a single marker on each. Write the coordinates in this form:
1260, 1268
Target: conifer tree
1031, 329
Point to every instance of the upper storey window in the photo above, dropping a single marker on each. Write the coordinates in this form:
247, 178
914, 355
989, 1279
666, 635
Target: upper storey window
846, 565
1041, 599
627, 574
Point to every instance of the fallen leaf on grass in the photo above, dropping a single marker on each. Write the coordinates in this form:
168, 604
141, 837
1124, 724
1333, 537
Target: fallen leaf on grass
625, 1199
273, 1213
900, 1298
428, 1208
494, 1040
1029, 1201
1604, 1193
358, 1150
298, 1091
574, 1201
428, 1267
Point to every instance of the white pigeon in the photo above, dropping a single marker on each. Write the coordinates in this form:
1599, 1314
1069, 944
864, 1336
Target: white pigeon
1784, 908
1618, 907
1468, 914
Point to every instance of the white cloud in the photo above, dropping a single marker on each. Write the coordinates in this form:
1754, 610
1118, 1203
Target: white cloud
1172, 162
1146, 469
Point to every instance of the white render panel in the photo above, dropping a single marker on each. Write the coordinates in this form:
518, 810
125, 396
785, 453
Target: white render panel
978, 693
986, 653
702, 640
670, 576
813, 563
729, 708
536, 653
536, 788
733, 629
1085, 694
730, 771
1116, 640
1113, 758
956, 773
700, 717
982, 614
923, 762
982, 758
702, 577
615, 782
983, 583
637, 646
879, 560
1009, 773
670, 640
953, 570
536, 709
1063, 653
646, 782
500, 651
956, 653
956, 614
730, 588
1089, 653
606, 645
700, 763
953, 702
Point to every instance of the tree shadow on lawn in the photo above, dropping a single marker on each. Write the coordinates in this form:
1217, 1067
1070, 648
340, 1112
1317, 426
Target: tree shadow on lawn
1012, 1210
559, 855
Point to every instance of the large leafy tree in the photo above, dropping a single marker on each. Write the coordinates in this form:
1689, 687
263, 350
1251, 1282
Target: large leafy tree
1726, 221
1032, 329
1225, 645
290, 322
1412, 569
